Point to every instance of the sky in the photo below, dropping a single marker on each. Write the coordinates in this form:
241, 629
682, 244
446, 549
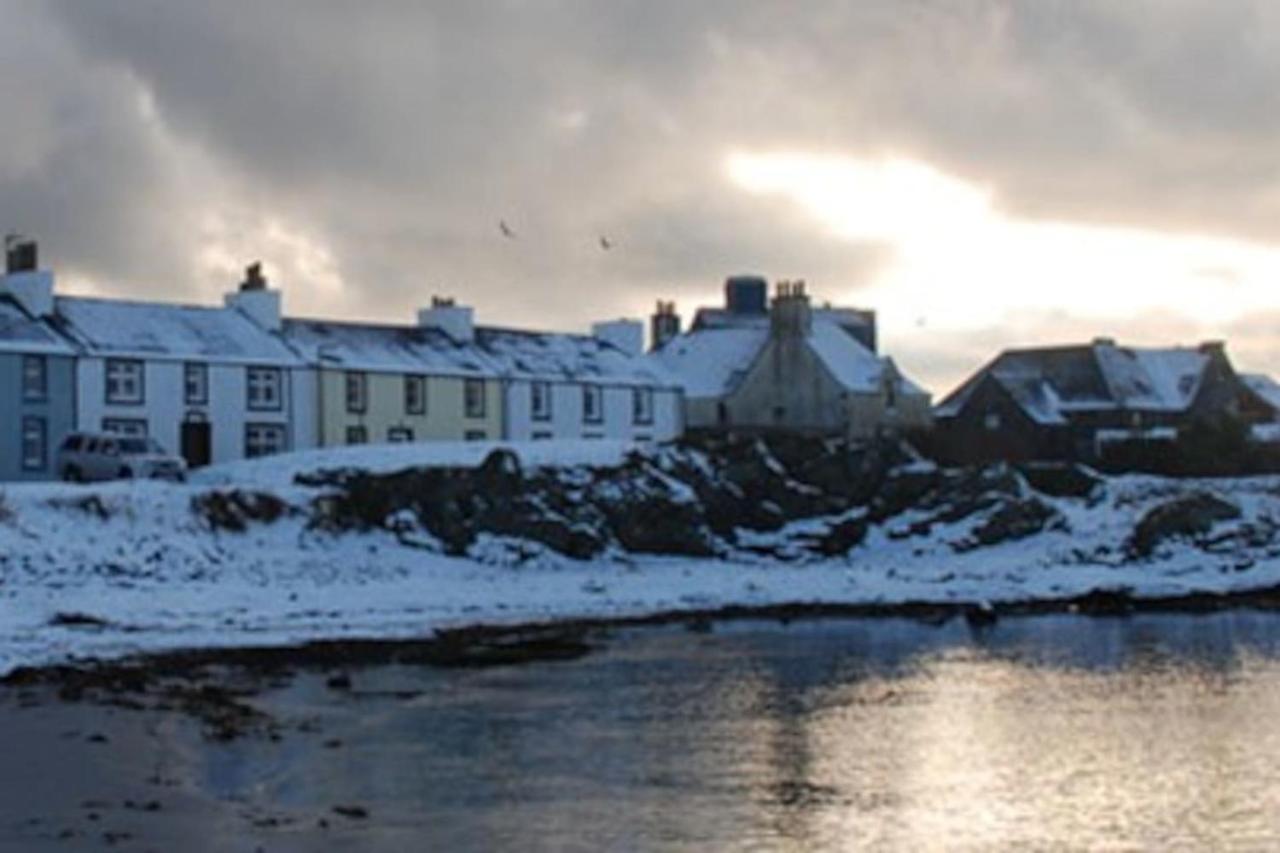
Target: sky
983, 173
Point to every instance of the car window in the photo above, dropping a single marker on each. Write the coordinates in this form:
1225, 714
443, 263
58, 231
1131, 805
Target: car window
134, 445
91, 445
108, 447
71, 442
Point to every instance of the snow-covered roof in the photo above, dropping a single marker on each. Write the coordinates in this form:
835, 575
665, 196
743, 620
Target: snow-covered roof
851, 364
114, 327
385, 348
557, 356
20, 333
712, 360
1050, 382
1265, 387
493, 352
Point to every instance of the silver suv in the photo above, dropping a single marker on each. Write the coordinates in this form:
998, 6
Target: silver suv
84, 457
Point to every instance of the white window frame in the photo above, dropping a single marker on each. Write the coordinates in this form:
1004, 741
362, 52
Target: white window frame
592, 404
35, 443
195, 383
415, 401
264, 439
540, 401
399, 435
355, 385
264, 389
473, 394
127, 427
35, 378
124, 382
642, 406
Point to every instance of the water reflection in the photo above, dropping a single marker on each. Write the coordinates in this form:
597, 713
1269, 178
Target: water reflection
1149, 732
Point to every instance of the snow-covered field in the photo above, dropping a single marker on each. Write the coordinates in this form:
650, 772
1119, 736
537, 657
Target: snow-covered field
135, 556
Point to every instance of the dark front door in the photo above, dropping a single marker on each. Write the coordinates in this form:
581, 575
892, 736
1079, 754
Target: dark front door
197, 443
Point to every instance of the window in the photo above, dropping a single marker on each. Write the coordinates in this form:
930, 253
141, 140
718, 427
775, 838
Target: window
195, 383
473, 391
263, 387
476, 435
357, 435
542, 436
592, 410
399, 435
132, 427
35, 378
540, 401
125, 384
357, 392
642, 405
991, 421
35, 433
593, 436
415, 395
263, 439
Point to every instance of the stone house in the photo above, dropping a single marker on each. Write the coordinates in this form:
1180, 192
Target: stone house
787, 366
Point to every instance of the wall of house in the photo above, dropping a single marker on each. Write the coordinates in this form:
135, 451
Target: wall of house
967, 438
565, 420
164, 407
57, 410
445, 418
869, 414
788, 387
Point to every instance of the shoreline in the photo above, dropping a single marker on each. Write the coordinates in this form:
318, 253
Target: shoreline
504, 644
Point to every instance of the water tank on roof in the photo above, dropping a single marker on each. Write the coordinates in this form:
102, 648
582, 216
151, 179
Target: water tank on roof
746, 294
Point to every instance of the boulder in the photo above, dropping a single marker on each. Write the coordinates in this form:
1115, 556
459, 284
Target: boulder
1190, 516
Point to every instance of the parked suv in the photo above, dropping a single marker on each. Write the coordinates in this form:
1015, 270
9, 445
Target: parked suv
85, 457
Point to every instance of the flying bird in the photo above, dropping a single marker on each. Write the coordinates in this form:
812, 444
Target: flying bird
605, 243
506, 229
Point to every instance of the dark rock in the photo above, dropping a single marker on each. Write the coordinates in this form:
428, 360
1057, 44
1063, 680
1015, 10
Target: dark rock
1015, 519
842, 536
233, 510
1061, 479
353, 812
1190, 516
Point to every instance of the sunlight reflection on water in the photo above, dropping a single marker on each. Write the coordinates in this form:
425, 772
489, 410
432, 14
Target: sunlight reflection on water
1153, 732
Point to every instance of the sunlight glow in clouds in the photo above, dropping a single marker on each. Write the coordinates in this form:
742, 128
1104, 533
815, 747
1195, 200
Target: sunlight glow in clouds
963, 264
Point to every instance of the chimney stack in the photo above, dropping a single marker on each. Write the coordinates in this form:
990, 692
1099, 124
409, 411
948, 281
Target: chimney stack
626, 335
663, 325
456, 321
27, 284
746, 295
256, 300
790, 316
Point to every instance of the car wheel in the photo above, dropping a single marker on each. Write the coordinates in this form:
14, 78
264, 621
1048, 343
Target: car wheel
126, 473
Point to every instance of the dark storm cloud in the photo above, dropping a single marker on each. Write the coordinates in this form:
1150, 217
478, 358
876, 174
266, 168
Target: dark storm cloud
397, 134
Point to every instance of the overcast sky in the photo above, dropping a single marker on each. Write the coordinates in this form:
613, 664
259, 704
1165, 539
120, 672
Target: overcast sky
983, 173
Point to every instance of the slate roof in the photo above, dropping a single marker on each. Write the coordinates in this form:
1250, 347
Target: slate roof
1050, 383
711, 361
494, 352
22, 334
123, 328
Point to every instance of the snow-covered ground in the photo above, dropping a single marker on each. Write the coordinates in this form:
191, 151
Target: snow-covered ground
134, 555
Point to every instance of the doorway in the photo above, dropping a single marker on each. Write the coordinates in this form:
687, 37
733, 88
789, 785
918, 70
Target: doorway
197, 443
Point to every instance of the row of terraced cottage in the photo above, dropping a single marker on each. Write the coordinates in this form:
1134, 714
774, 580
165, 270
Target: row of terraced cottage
219, 383
216, 383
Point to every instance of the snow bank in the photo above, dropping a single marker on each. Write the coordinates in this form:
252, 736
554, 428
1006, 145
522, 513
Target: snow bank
154, 575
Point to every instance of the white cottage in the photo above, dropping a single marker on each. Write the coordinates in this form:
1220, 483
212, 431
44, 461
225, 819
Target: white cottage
600, 386
207, 382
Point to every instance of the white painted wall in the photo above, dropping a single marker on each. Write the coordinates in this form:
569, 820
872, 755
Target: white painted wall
164, 407
566, 414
